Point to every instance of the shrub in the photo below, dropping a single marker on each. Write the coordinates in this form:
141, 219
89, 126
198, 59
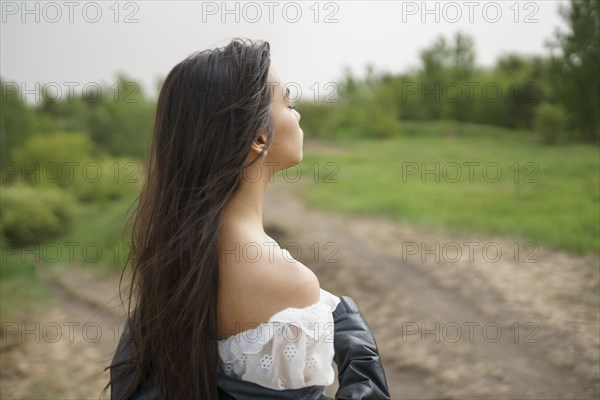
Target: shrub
108, 180
550, 121
52, 159
65, 160
33, 215
316, 119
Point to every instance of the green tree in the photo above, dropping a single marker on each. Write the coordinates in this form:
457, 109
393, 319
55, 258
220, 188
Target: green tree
17, 121
523, 80
550, 121
366, 108
434, 75
121, 121
576, 67
445, 66
65, 114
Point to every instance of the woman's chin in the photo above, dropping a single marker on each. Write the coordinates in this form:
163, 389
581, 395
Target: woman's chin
297, 159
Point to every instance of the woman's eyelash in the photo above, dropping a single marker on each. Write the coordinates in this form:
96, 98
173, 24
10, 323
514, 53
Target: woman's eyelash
293, 106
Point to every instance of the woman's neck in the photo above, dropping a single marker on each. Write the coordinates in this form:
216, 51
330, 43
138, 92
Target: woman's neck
245, 207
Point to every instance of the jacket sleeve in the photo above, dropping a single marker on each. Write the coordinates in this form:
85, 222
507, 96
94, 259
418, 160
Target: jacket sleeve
125, 351
360, 373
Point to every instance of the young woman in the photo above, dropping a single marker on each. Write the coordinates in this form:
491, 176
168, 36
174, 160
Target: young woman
208, 321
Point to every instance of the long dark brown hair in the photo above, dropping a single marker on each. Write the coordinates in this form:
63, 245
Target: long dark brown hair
211, 107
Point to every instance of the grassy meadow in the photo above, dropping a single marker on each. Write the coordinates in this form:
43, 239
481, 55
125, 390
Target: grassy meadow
468, 178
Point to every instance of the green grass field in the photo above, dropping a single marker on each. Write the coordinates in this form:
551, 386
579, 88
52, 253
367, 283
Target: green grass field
466, 178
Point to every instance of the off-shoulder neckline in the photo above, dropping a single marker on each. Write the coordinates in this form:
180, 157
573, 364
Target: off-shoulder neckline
324, 294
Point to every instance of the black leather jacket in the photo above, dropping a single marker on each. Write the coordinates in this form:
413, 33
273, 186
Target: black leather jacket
360, 373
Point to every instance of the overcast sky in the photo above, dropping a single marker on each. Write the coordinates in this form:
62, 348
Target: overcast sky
82, 42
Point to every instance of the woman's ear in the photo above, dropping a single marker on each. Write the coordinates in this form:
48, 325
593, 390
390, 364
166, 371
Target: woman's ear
260, 143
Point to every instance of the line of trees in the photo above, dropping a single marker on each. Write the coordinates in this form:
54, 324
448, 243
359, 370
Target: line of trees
557, 96
116, 118
554, 95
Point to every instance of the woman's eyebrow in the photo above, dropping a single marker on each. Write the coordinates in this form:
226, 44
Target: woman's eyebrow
287, 93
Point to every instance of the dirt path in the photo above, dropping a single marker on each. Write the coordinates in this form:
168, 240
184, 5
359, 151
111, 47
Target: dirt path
68, 345
403, 298
452, 328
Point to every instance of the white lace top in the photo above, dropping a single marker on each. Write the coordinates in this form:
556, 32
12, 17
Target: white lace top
294, 349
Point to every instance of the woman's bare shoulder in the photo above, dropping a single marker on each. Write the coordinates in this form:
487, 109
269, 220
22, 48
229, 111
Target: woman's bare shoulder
268, 284
290, 283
